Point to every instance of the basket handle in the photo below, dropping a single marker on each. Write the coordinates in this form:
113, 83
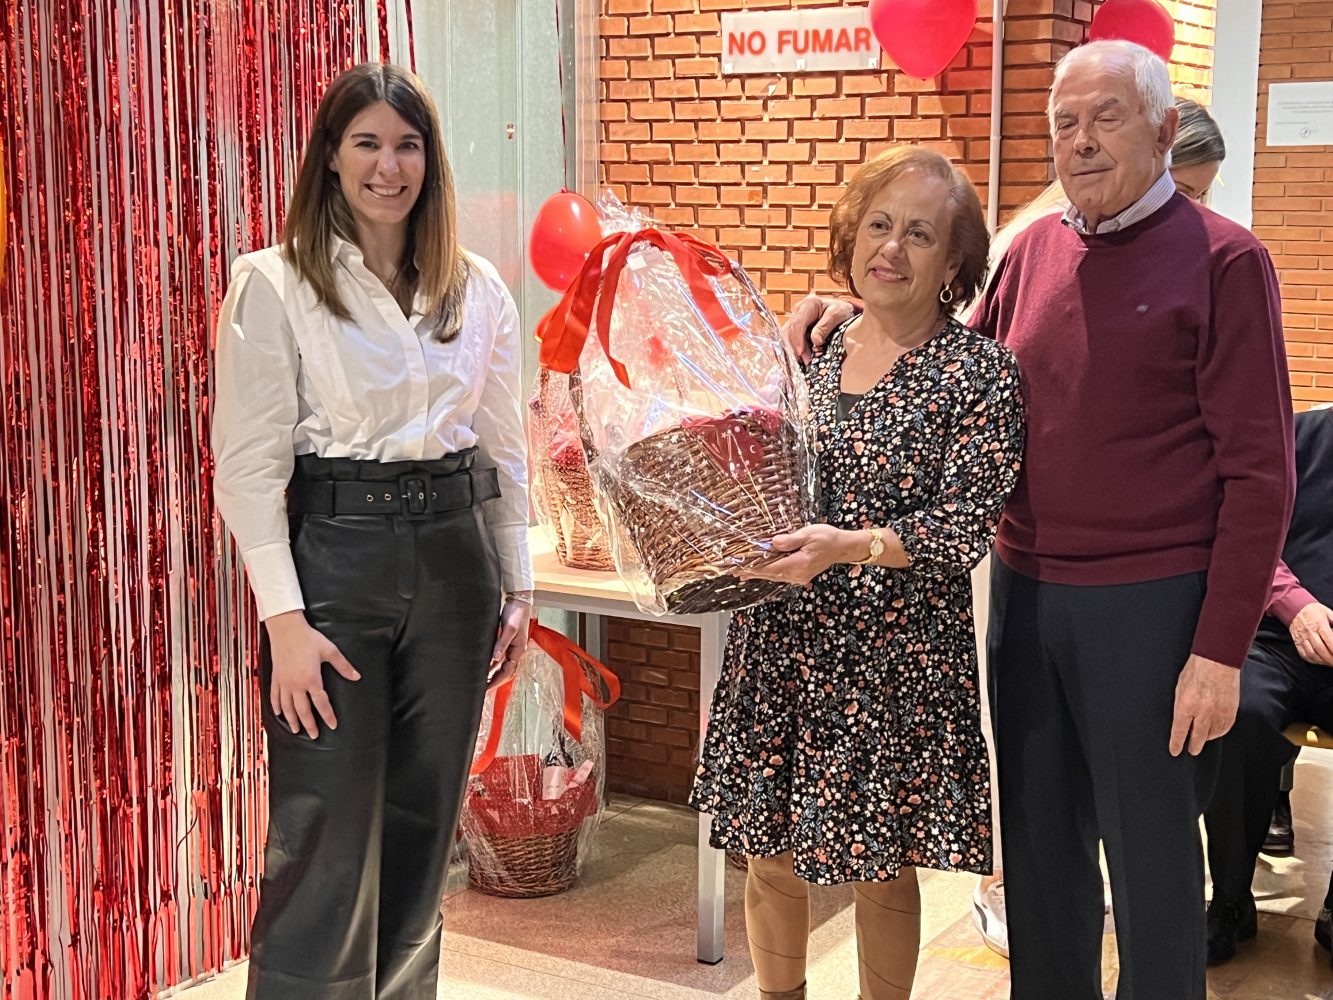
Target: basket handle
564, 330
574, 661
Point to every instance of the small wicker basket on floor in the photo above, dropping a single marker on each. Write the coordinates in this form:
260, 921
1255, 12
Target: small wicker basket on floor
694, 520
528, 866
521, 845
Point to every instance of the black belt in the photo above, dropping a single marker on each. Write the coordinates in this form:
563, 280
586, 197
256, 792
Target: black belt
413, 495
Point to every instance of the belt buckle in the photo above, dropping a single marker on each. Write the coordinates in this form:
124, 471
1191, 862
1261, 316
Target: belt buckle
416, 497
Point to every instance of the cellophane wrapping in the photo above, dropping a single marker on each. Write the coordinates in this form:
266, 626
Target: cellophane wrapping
562, 491
530, 819
561, 488
707, 454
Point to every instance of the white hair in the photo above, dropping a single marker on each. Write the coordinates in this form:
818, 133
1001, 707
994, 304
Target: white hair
1152, 80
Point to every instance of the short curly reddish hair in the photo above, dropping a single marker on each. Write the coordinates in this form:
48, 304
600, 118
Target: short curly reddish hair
969, 240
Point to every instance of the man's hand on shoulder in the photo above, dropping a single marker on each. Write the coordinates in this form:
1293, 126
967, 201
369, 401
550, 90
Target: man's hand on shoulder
808, 327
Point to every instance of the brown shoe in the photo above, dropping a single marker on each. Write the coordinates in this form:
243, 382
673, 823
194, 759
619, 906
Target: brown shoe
796, 994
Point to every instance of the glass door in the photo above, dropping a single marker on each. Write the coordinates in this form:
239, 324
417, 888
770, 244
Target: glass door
503, 74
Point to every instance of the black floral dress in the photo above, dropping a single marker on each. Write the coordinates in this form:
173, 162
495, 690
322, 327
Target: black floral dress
846, 724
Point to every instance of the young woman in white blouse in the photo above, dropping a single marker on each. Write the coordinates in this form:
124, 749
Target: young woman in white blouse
370, 463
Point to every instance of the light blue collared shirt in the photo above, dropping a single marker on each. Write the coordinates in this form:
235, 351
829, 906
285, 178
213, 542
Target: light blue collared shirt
1155, 197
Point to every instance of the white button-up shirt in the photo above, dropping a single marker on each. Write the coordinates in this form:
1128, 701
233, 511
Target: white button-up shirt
291, 379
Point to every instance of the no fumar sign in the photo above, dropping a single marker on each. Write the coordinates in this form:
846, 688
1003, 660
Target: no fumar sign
803, 41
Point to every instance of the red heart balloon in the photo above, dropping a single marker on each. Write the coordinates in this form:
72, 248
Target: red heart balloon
1140, 21
922, 36
563, 234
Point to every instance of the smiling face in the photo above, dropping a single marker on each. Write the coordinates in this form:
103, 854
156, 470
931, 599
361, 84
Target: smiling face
901, 257
381, 166
1107, 152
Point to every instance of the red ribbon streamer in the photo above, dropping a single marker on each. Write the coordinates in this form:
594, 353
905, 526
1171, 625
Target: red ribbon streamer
382, 10
564, 330
4, 212
574, 661
145, 146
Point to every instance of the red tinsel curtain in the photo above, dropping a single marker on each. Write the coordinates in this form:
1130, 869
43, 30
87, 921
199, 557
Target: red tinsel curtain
145, 144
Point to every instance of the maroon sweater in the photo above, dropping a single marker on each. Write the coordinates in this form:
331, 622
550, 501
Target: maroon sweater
1158, 411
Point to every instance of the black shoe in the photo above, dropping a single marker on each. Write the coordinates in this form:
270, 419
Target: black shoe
1281, 839
1323, 930
1229, 923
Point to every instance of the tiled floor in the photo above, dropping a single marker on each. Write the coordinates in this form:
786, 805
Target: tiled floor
627, 929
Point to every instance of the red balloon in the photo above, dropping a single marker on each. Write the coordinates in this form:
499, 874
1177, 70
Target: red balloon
922, 36
1143, 22
564, 232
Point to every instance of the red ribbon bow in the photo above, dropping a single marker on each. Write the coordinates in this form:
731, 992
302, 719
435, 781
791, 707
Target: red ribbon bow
574, 661
564, 330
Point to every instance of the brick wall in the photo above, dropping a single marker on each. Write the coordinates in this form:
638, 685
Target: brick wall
652, 733
1192, 58
1293, 197
754, 163
1037, 34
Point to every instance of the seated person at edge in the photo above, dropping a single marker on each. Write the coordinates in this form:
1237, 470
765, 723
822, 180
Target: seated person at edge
844, 742
1287, 678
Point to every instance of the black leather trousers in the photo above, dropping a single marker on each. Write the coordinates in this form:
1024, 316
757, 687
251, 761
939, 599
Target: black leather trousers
362, 819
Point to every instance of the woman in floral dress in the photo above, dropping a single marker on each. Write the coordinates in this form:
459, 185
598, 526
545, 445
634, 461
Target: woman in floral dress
844, 742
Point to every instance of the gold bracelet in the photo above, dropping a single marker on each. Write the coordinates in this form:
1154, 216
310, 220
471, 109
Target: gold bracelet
876, 546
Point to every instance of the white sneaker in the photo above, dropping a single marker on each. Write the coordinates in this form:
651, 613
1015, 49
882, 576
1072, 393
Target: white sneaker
988, 916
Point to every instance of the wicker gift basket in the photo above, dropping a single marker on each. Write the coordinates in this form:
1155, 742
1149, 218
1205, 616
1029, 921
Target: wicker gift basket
692, 416
520, 846
561, 489
530, 817
731, 506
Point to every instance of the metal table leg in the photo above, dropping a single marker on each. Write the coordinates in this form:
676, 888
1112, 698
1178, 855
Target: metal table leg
712, 874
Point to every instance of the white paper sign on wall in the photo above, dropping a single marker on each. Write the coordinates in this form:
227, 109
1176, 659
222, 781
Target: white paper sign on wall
802, 41
1300, 114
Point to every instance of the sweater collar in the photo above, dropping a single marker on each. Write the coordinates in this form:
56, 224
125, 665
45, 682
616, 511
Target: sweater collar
1153, 199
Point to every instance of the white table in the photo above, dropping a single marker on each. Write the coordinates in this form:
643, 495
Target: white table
602, 594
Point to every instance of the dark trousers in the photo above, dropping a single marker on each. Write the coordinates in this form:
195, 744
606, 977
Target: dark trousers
1083, 686
1277, 688
362, 819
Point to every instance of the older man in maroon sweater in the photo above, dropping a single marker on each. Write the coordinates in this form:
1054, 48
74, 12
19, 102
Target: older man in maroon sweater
1135, 556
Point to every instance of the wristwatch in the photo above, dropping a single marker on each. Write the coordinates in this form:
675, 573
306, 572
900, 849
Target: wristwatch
876, 545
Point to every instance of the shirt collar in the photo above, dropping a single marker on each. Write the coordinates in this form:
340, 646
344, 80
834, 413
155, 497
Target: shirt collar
1154, 198
346, 252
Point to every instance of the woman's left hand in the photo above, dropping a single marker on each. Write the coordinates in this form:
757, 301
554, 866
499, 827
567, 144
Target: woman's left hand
813, 549
511, 642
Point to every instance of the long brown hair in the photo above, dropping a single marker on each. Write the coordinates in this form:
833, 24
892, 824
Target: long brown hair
433, 263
